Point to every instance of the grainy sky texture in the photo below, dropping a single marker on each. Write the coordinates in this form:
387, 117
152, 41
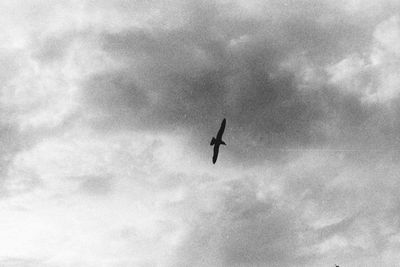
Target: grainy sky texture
107, 109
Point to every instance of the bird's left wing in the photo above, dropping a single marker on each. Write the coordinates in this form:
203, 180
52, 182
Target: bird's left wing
215, 156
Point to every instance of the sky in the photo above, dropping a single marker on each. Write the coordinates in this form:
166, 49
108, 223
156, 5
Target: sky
108, 108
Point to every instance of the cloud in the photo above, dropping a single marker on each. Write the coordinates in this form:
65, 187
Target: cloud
241, 230
107, 109
96, 185
15, 262
184, 77
188, 76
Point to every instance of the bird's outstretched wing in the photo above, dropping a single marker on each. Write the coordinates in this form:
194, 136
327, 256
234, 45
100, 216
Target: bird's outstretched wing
221, 130
215, 156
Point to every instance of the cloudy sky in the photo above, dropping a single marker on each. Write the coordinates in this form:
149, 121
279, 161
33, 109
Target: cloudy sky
107, 108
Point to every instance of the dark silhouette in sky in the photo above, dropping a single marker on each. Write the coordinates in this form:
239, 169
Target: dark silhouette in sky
216, 142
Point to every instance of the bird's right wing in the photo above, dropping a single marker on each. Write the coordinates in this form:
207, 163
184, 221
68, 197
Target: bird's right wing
221, 130
215, 156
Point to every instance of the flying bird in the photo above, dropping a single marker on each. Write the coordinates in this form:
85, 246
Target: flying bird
216, 142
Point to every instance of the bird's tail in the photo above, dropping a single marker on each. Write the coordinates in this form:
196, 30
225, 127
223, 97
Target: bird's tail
212, 141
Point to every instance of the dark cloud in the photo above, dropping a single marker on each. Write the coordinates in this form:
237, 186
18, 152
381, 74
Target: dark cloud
118, 95
219, 65
259, 105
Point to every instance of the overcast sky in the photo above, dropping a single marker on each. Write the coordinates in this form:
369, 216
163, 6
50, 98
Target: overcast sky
107, 109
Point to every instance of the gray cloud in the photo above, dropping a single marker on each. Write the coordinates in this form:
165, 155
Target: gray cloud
243, 230
286, 75
11, 142
218, 65
333, 207
52, 48
21, 262
96, 185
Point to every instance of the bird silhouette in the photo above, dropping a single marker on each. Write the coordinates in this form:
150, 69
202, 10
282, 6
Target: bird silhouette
216, 142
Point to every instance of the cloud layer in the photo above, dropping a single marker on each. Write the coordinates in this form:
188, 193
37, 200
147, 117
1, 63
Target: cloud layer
107, 109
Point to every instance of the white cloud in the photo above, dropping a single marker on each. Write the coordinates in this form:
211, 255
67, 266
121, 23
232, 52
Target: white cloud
67, 226
352, 75
385, 58
373, 76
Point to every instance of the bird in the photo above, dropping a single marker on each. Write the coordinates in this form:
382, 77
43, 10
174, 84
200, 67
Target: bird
216, 142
